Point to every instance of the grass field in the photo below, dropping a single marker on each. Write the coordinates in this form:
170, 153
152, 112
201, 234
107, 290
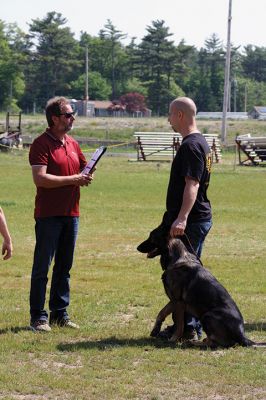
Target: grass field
117, 292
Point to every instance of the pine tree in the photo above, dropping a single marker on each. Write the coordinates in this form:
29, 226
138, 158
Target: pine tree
55, 56
156, 58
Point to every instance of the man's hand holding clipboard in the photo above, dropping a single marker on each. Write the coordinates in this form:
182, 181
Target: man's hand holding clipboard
94, 160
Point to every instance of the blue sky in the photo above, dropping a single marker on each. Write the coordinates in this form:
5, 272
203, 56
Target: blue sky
192, 20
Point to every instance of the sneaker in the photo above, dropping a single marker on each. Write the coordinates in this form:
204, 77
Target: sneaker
65, 322
70, 324
40, 326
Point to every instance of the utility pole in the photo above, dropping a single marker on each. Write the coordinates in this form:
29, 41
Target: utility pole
10, 96
86, 96
246, 97
229, 95
227, 73
235, 92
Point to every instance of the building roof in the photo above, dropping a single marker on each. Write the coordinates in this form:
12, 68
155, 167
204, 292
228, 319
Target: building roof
103, 104
260, 109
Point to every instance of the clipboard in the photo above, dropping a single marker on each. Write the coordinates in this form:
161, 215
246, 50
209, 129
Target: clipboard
94, 159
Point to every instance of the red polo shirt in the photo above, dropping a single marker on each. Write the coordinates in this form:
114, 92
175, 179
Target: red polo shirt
61, 160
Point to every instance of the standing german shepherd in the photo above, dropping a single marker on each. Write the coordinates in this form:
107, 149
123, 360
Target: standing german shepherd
192, 288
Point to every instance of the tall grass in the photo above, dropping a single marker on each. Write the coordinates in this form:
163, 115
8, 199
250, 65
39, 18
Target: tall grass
116, 292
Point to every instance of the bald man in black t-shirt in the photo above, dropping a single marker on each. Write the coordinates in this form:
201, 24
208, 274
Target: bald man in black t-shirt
190, 173
188, 208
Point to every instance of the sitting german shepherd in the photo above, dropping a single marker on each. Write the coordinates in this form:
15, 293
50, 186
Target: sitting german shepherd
192, 288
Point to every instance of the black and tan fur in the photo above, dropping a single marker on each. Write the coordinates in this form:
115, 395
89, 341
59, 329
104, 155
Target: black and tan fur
192, 288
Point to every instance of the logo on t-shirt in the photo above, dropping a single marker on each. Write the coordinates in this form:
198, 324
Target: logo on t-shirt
208, 162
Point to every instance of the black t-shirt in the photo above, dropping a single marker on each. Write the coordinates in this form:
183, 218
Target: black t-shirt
193, 159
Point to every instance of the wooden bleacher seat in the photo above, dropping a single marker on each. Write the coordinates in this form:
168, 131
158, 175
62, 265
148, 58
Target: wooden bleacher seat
254, 149
152, 145
164, 145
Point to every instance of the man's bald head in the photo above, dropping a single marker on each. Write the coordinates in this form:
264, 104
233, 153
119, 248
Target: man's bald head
182, 115
186, 105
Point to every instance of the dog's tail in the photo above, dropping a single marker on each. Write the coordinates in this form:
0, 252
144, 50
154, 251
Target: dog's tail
246, 342
249, 343
259, 344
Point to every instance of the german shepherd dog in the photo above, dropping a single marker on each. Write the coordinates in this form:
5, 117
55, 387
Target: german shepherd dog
192, 288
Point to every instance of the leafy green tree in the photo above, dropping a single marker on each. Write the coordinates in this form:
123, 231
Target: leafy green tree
116, 55
132, 59
97, 54
250, 93
135, 85
254, 63
207, 79
55, 57
49, 61
99, 89
213, 56
108, 56
156, 58
185, 64
236, 71
5, 57
168, 91
11, 67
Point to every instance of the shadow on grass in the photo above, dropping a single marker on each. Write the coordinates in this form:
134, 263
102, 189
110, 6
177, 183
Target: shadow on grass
145, 343
114, 342
14, 329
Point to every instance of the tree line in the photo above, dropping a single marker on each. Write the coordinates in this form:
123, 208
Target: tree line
49, 61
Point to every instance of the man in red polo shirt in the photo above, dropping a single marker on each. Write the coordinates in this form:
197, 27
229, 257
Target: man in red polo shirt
57, 161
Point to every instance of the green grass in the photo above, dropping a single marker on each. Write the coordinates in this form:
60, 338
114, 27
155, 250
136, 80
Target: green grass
117, 292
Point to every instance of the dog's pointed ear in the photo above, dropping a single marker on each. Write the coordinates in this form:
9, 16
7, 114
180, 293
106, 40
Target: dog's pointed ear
177, 249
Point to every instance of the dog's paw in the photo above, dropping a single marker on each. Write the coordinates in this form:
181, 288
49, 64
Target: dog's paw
155, 332
174, 339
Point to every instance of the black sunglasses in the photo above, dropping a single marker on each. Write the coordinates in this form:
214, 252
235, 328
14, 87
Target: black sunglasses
69, 114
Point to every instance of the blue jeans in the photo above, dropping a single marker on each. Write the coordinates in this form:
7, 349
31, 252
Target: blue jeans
196, 232
55, 238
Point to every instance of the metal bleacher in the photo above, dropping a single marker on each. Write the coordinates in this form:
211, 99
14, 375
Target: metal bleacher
164, 145
254, 149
